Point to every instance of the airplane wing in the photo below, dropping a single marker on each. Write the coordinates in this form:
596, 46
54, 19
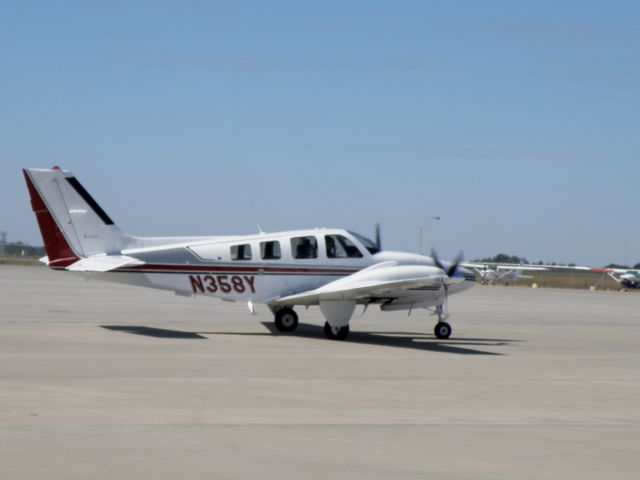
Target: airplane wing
506, 273
521, 267
609, 270
479, 268
103, 263
555, 267
386, 280
474, 265
505, 266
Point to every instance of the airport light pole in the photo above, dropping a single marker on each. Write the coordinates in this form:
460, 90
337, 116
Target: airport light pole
432, 219
3, 241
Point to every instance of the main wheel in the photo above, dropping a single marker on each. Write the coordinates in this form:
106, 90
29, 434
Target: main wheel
336, 333
442, 330
286, 320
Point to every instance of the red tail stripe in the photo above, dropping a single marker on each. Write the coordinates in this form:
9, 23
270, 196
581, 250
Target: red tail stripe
58, 250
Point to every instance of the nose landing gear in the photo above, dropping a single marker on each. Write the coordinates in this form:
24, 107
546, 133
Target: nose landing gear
442, 330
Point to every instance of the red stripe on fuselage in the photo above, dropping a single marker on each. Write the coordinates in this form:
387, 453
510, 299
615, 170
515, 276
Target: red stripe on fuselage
58, 250
150, 268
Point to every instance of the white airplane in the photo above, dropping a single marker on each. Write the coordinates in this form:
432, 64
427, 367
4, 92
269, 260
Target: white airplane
491, 273
333, 268
625, 277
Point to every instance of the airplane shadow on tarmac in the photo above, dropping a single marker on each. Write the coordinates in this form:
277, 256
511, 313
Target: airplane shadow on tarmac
153, 332
416, 341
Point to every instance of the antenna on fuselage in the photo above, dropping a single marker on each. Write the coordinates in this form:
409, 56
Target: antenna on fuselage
262, 232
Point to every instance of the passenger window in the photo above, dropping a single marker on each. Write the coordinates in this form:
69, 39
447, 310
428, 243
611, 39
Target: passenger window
304, 247
270, 250
241, 252
339, 246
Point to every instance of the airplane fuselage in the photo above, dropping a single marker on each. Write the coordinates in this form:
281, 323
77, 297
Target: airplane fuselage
630, 280
215, 267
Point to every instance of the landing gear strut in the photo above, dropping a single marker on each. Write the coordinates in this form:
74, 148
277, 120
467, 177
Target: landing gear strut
286, 319
442, 330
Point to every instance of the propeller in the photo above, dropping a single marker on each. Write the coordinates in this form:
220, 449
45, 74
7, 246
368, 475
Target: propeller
378, 237
453, 268
451, 271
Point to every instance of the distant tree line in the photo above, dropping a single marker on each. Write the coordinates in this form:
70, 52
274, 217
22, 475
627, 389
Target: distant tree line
16, 249
505, 258
623, 267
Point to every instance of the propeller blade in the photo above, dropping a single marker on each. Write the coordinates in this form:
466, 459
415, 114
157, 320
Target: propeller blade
436, 260
455, 265
453, 268
378, 236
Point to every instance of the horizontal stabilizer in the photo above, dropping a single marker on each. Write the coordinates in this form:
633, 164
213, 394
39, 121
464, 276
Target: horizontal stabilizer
103, 263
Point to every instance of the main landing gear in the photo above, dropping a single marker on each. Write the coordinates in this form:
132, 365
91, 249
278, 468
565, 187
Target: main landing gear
442, 330
286, 319
336, 333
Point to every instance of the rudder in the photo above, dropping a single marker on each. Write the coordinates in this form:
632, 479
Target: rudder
71, 222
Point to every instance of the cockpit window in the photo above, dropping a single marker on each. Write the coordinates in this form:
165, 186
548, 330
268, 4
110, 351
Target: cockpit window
304, 247
241, 252
339, 246
368, 244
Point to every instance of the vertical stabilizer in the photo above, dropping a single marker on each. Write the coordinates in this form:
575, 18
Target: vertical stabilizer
71, 222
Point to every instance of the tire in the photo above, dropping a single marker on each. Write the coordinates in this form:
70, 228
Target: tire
340, 334
286, 320
442, 330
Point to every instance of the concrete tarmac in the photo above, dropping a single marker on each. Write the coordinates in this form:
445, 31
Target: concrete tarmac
104, 381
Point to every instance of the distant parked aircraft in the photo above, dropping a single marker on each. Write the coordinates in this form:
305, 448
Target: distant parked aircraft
625, 277
492, 272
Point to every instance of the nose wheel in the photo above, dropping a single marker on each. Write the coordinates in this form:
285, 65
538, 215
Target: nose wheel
442, 330
286, 320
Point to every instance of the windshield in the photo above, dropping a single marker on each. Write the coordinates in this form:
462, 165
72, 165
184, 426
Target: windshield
369, 244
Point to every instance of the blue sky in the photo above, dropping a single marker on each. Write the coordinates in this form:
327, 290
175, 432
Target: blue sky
515, 122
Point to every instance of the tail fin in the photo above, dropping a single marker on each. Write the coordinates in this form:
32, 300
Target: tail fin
72, 224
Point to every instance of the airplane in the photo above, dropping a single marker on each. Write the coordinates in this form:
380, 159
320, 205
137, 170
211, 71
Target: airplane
491, 273
332, 268
628, 278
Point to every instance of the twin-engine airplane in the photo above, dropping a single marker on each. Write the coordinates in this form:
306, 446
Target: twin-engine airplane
332, 268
